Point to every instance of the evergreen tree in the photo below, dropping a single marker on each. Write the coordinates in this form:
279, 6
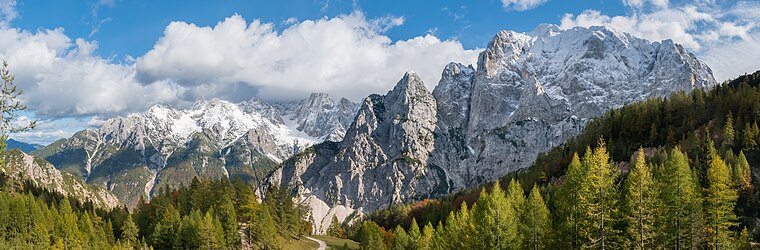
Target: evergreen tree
414, 232
742, 173
516, 203
496, 220
640, 205
537, 221
743, 243
426, 239
460, 230
720, 201
10, 107
749, 135
599, 196
568, 203
401, 239
336, 228
680, 199
371, 236
228, 218
728, 131
129, 232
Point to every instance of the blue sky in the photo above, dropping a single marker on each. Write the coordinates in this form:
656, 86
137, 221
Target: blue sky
83, 62
132, 27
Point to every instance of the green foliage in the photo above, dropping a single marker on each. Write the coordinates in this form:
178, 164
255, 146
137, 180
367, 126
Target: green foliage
681, 202
370, 236
640, 205
537, 222
720, 200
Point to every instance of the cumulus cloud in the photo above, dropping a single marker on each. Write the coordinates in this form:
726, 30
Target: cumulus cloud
7, 12
717, 34
521, 5
347, 55
61, 78
45, 133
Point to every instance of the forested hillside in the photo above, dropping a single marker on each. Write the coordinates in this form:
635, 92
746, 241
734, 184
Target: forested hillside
206, 215
675, 172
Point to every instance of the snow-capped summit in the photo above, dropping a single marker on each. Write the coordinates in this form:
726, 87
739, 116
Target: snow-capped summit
529, 93
166, 146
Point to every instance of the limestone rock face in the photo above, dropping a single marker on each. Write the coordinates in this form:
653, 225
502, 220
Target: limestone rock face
528, 93
135, 155
22, 167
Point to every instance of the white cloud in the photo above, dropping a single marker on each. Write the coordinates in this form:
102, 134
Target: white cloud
46, 131
717, 34
642, 3
521, 5
7, 12
346, 56
63, 79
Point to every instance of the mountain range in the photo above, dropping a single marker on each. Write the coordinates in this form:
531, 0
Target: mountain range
528, 93
23, 146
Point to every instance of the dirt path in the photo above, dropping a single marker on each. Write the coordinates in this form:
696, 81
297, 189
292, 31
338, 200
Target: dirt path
322, 244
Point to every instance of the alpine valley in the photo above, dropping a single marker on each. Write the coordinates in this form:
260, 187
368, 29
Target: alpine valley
528, 93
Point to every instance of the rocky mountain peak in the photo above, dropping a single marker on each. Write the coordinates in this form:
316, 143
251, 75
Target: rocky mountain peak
503, 50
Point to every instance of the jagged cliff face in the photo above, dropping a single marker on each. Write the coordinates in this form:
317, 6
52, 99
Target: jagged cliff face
22, 167
382, 160
530, 92
136, 155
533, 91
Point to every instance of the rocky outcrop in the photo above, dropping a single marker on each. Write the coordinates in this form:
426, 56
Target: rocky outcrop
24, 167
166, 147
529, 93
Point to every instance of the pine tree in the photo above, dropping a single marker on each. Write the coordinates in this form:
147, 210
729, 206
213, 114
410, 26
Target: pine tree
599, 196
640, 204
681, 203
568, 203
496, 220
460, 230
414, 232
129, 232
336, 229
743, 173
749, 135
426, 239
10, 107
743, 243
516, 203
537, 221
728, 131
228, 218
370, 236
401, 239
720, 201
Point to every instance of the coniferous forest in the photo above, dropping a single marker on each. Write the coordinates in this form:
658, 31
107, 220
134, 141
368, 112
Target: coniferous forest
206, 215
671, 173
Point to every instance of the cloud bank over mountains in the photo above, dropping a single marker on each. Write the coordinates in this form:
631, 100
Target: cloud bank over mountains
347, 55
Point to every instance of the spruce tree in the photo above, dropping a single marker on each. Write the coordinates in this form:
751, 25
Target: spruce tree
749, 136
681, 220
568, 204
537, 221
728, 131
10, 107
516, 203
426, 239
401, 239
599, 194
640, 204
743, 173
720, 201
129, 232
